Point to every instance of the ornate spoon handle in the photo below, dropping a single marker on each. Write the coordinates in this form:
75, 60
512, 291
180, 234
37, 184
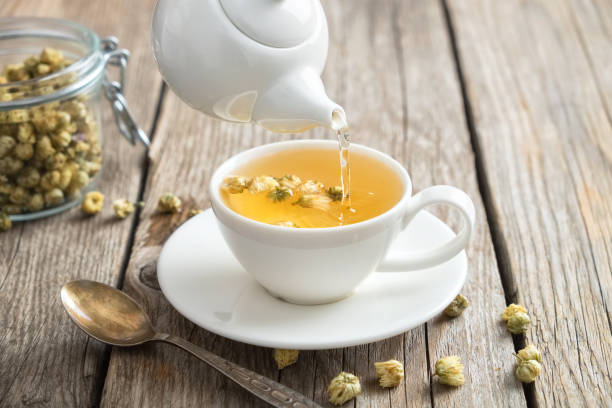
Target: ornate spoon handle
274, 393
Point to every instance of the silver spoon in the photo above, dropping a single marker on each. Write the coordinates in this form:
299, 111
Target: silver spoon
111, 316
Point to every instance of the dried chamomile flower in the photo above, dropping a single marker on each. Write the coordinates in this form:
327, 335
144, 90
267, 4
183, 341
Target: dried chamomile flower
318, 201
169, 203
194, 211
289, 224
457, 306
50, 180
530, 353
122, 208
284, 357
23, 151
261, 184
390, 373
19, 195
235, 184
343, 387
28, 178
54, 197
310, 187
92, 203
527, 370
6, 145
450, 371
51, 56
512, 309
518, 323
5, 222
280, 193
290, 181
335, 193
36, 202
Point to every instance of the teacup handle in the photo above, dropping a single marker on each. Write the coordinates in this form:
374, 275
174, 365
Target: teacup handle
397, 261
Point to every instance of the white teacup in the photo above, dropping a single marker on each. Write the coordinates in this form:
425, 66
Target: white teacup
321, 265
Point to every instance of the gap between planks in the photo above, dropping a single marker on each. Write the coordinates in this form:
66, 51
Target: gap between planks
500, 248
99, 388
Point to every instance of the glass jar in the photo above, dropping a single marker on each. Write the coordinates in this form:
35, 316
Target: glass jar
51, 85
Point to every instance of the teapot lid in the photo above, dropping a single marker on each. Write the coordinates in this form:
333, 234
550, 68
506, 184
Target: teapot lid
275, 23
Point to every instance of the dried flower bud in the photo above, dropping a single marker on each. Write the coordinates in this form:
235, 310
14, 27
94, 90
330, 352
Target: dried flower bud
169, 203
25, 133
290, 181
335, 193
530, 353
36, 202
518, 323
194, 211
527, 370
122, 208
19, 195
5, 222
10, 165
317, 201
261, 184
512, 309
24, 151
92, 203
457, 306
50, 180
288, 224
28, 178
450, 371
280, 194
6, 145
390, 373
54, 197
285, 358
310, 187
343, 387
51, 56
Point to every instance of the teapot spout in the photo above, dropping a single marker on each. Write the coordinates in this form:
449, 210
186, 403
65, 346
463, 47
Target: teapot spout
297, 102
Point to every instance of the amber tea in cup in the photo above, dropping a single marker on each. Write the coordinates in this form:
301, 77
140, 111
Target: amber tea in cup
302, 188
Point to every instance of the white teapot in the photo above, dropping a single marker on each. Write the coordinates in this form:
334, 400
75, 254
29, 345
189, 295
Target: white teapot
248, 60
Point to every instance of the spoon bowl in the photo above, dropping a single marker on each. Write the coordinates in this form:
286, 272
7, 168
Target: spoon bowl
106, 314
111, 316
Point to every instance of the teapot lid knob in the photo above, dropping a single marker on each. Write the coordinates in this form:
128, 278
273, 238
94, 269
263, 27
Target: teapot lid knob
275, 23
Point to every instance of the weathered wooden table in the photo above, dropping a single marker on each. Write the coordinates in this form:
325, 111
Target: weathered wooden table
509, 100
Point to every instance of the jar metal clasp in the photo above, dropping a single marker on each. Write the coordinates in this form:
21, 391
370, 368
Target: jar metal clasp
113, 90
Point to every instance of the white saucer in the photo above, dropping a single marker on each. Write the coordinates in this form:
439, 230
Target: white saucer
204, 282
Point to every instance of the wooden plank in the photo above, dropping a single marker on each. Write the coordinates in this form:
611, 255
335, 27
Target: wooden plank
45, 360
391, 66
537, 76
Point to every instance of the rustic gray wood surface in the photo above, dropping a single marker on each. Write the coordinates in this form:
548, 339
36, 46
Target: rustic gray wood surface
540, 108
509, 101
44, 359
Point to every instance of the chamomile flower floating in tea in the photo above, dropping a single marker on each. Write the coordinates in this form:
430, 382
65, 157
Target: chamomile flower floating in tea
301, 188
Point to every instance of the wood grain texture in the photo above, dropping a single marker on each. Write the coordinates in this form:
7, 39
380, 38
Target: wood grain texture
391, 66
537, 75
44, 359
